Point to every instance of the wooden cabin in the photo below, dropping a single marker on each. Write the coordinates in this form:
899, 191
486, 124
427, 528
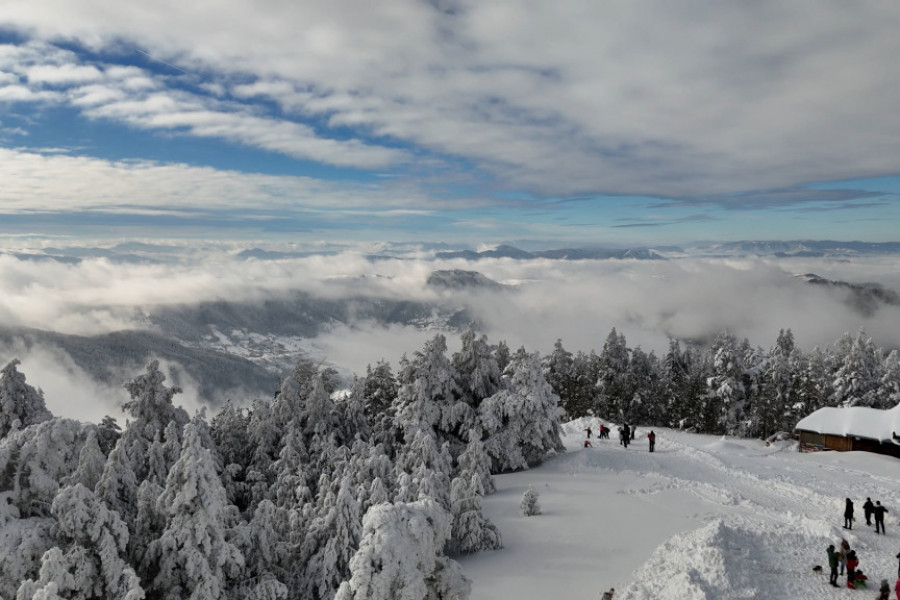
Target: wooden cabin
857, 428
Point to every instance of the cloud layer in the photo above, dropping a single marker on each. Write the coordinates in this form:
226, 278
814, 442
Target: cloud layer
631, 97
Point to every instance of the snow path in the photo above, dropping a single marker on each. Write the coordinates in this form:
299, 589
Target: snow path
702, 517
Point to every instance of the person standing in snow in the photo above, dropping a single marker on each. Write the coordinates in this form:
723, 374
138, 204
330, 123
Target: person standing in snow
588, 430
884, 591
626, 435
845, 550
867, 509
833, 560
878, 513
848, 514
897, 587
852, 563
652, 438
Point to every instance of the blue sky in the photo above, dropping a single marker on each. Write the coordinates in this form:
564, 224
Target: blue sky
578, 123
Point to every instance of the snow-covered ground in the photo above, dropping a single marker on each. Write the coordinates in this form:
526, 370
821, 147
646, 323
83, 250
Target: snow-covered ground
702, 517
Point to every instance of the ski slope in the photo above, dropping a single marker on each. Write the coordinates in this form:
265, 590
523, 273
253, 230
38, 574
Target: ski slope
701, 517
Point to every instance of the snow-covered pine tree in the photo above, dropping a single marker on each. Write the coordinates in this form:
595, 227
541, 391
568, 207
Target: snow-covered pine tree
290, 470
780, 387
501, 355
475, 460
529, 503
193, 557
889, 388
400, 556
430, 397
331, 541
429, 465
118, 484
108, 432
380, 394
522, 422
93, 540
350, 415
152, 411
724, 411
859, 365
471, 531
266, 553
476, 368
20, 404
563, 377
91, 463
613, 390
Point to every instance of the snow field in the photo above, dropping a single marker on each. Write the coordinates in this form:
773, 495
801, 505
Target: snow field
701, 518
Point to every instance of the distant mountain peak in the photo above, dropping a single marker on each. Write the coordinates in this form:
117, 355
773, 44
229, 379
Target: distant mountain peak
457, 279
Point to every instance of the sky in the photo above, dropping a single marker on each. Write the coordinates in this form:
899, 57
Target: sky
629, 122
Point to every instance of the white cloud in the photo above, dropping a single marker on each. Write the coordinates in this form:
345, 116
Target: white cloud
633, 96
34, 182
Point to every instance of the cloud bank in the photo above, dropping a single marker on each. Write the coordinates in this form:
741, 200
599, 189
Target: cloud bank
576, 301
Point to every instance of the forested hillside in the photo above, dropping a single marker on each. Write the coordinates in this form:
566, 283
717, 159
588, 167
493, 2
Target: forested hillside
301, 496
365, 492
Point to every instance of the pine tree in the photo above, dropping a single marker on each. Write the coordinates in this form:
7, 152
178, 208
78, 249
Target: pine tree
859, 371
263, 544
724, 411
563, 377
889, 388
152, 411
20, 404
331, 541
476, 368
613, 392
430, 398
522, 422
91, 463
380, 392
471, 530
193, 558
118, 484
94, 540
400, 556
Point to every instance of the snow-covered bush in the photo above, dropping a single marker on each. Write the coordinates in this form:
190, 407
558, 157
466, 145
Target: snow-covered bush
529, 503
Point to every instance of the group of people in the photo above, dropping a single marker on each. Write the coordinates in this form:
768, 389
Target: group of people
603, 434
626, 435
845, 558
871, 511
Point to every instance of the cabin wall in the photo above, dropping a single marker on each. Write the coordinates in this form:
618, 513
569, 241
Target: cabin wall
811, 441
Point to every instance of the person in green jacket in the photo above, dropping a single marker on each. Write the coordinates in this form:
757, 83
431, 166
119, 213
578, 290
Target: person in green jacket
833, 559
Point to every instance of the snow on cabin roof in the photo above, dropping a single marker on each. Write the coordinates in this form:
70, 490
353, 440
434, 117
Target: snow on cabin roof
856, 421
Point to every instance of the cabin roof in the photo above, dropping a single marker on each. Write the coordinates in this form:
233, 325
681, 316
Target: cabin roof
856, 421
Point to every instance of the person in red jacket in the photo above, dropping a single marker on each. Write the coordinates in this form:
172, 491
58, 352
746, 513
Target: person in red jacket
652, 437
852, 564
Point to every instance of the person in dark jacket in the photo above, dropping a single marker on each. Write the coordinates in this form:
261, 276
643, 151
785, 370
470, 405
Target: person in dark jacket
833, 560
884, 592
878, 513
867, 509
652, 438
848, 514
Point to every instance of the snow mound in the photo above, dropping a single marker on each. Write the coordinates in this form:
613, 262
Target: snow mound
728, 560
725, 445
